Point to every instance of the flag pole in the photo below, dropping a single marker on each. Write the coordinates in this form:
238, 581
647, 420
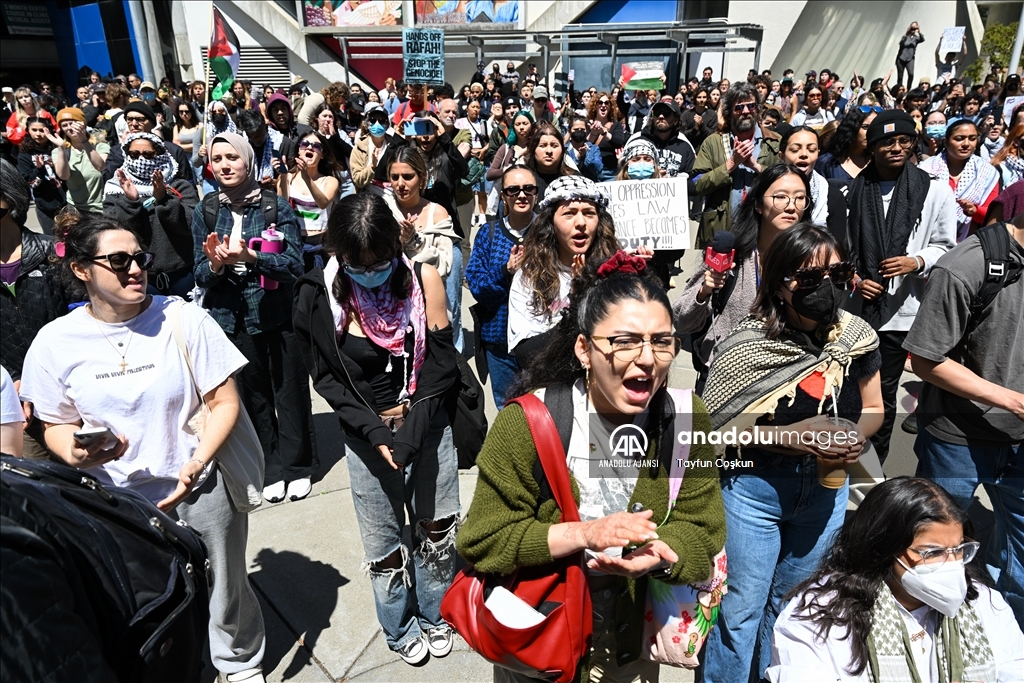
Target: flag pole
206, 83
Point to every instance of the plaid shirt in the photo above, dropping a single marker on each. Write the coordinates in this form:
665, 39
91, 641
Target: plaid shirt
233, 297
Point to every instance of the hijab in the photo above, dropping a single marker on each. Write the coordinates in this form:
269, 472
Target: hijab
248, 191
212, 130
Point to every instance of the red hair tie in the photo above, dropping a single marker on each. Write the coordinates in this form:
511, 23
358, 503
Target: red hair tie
621, 262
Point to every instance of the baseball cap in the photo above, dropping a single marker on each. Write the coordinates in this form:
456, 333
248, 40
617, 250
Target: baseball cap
540, 93
812, 72
100, 87
512, 102
661, 106
357, 102
147, 85
8, 90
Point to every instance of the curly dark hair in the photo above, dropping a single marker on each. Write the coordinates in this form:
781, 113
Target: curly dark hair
841, 593
543, 128
846, 133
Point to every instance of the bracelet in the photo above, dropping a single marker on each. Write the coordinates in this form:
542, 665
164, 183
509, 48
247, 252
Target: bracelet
200, 461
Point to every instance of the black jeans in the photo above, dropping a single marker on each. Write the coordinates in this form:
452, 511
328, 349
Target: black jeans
890, 345
909, 68
274, 389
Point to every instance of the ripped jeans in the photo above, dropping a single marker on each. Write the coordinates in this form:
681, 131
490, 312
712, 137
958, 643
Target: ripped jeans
408, 598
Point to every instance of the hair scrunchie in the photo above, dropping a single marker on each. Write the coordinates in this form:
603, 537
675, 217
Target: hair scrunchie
622, 262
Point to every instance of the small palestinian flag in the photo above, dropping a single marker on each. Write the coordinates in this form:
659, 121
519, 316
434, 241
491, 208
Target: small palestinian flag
643, 75
223, 54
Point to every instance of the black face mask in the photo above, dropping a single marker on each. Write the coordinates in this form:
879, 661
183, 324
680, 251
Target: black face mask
219, 119
820, 304
578, 135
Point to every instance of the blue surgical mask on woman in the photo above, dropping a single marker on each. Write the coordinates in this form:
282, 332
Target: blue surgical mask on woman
371, 278
640, 170
377, 129
936, 131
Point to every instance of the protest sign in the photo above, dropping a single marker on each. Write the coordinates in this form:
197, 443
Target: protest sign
653, 213
1009, 104
643, 75
952, 39
423, 54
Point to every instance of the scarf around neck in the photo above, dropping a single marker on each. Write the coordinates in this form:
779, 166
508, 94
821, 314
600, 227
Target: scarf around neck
751, 373
141, 170
975, 184
248, 191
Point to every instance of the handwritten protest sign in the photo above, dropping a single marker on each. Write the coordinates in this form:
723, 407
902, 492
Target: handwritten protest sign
423, 54
952, 39
1009, 105
653, 213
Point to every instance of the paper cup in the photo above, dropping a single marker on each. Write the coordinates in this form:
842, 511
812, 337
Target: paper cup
832, 471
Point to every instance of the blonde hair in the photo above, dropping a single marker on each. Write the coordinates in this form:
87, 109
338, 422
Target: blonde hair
20, 110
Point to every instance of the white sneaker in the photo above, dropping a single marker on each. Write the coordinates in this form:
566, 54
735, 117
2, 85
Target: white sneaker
414, 652
247, 676
275, 492
439, 640
299, 489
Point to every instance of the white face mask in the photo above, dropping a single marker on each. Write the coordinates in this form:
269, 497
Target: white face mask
940, 586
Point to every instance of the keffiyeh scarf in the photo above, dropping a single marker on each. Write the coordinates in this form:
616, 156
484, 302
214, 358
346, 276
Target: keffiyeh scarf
141, 170
265, 165
1015, 165
213, 131
751, 373
975, 185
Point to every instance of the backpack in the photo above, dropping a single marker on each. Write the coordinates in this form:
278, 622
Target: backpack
1000, 270
211, 207
132, 579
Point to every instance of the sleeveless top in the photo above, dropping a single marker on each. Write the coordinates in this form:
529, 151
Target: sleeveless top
312, 219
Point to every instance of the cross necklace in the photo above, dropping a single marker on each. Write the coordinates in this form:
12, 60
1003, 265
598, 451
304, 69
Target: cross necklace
124, 343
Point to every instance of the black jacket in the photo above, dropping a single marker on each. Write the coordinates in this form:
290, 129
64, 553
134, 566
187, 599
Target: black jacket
48, 193
38, 299
354, 402
166, 229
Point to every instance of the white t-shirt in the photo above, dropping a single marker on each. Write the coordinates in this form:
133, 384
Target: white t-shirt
73, 372
523, 323
10, 405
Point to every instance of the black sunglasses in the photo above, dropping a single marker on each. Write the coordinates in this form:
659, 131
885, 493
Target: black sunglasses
514, 190
839, 273
148, 153
121, 261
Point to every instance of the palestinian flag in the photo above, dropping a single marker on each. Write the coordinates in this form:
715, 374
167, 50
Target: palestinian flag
643, 75
223, 54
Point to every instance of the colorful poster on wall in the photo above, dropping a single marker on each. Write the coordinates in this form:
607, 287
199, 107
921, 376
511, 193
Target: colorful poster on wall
454, 14
352, 12
26, 18
423, 54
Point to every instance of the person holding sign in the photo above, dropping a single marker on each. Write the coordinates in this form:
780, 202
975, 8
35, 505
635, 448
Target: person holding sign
945, 66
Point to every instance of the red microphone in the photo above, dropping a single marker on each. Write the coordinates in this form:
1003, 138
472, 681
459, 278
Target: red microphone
719, 254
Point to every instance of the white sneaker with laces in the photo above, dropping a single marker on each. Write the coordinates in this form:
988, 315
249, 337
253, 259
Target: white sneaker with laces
275, 492
414, 652
439, 640
299, 489
247, 676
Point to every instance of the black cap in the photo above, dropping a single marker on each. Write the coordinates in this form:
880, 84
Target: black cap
1012, 78
512, 102
671, 106
889, 123
141, 108
357, 102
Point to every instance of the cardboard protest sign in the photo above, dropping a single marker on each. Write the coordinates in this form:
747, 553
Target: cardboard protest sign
643, 75
1009, 104
952, 39
423, 54
653, 213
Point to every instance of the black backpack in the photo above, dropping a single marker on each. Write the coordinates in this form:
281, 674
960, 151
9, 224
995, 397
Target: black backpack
96, 580
211, 207
1000, 269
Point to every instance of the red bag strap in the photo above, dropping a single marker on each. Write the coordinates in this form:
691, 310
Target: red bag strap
551, 454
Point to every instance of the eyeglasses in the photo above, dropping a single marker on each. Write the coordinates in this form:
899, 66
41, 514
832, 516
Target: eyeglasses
903, 141
315, 146
744, 108
359, 270
965, 551
148, 153
868, 108
515, 190
814, 96
781, 202
629, 347
135, 119
121, 261
839, 273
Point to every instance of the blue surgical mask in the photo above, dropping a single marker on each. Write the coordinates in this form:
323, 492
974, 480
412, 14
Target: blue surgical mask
377, 129
148, 97
640, 170
372, 279
936, 131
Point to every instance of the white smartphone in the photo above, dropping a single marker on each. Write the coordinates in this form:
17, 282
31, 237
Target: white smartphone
572, 74
86, 437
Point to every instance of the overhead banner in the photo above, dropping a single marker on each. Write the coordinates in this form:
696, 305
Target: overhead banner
652, 213
505, 14
352, 12
26, 18
423, 54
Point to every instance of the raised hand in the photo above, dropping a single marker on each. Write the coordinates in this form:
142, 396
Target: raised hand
515, 259
127, 186
159, 188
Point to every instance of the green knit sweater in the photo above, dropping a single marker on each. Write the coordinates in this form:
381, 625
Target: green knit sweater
506, 529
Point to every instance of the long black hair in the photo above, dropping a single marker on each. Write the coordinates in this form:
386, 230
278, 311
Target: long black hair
364, 222
841, 593
846, 133
746, 224
80, 234
29, 145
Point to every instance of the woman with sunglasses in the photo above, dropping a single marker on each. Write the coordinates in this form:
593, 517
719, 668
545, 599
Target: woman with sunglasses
898, 593
124, 371
145, 195
312, 189
497, 256
787, 100
796, 359
606, 132
606, 366
974, 182
374, 332
847, 153
249, 293
816, 111
371, 146
186, 126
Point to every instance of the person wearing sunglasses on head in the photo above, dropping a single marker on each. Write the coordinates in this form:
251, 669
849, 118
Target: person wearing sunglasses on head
496, 257
900, 221
846, 154
124, 371
898, 593
795, 361
729, 161
146, 195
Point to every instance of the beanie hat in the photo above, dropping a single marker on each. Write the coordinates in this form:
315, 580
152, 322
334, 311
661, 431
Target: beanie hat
70, 114
890, 123
141, 108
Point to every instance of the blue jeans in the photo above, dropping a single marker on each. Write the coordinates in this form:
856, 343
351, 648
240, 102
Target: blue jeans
502, 367
780, 523
1000, 469
453, 289
408, 599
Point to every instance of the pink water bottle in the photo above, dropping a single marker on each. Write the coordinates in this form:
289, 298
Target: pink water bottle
271, 242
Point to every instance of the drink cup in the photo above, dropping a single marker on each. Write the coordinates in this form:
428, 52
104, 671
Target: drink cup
832, 471
272, 242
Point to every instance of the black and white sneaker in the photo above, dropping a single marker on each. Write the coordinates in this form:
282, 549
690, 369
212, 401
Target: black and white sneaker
439, 640
415, 651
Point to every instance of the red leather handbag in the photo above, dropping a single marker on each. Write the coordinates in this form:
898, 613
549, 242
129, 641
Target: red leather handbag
552, 649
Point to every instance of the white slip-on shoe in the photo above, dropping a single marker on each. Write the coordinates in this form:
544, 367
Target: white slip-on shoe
414, 652
299, 489
247, 676
275, 492
439, 640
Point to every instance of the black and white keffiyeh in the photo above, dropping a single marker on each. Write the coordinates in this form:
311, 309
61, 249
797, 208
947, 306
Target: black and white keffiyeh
637, 147
568, 188
141, 170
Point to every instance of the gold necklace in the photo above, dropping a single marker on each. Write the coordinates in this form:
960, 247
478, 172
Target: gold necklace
125, 344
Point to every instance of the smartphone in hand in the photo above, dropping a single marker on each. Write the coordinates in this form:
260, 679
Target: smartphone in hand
87, 437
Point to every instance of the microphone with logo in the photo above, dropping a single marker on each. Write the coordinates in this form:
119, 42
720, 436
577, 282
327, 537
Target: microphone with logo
719, 257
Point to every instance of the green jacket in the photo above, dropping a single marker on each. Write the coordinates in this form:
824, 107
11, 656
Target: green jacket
506, 528
715, 184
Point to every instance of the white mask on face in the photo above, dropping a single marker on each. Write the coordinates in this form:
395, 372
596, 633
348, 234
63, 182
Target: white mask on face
940, 586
